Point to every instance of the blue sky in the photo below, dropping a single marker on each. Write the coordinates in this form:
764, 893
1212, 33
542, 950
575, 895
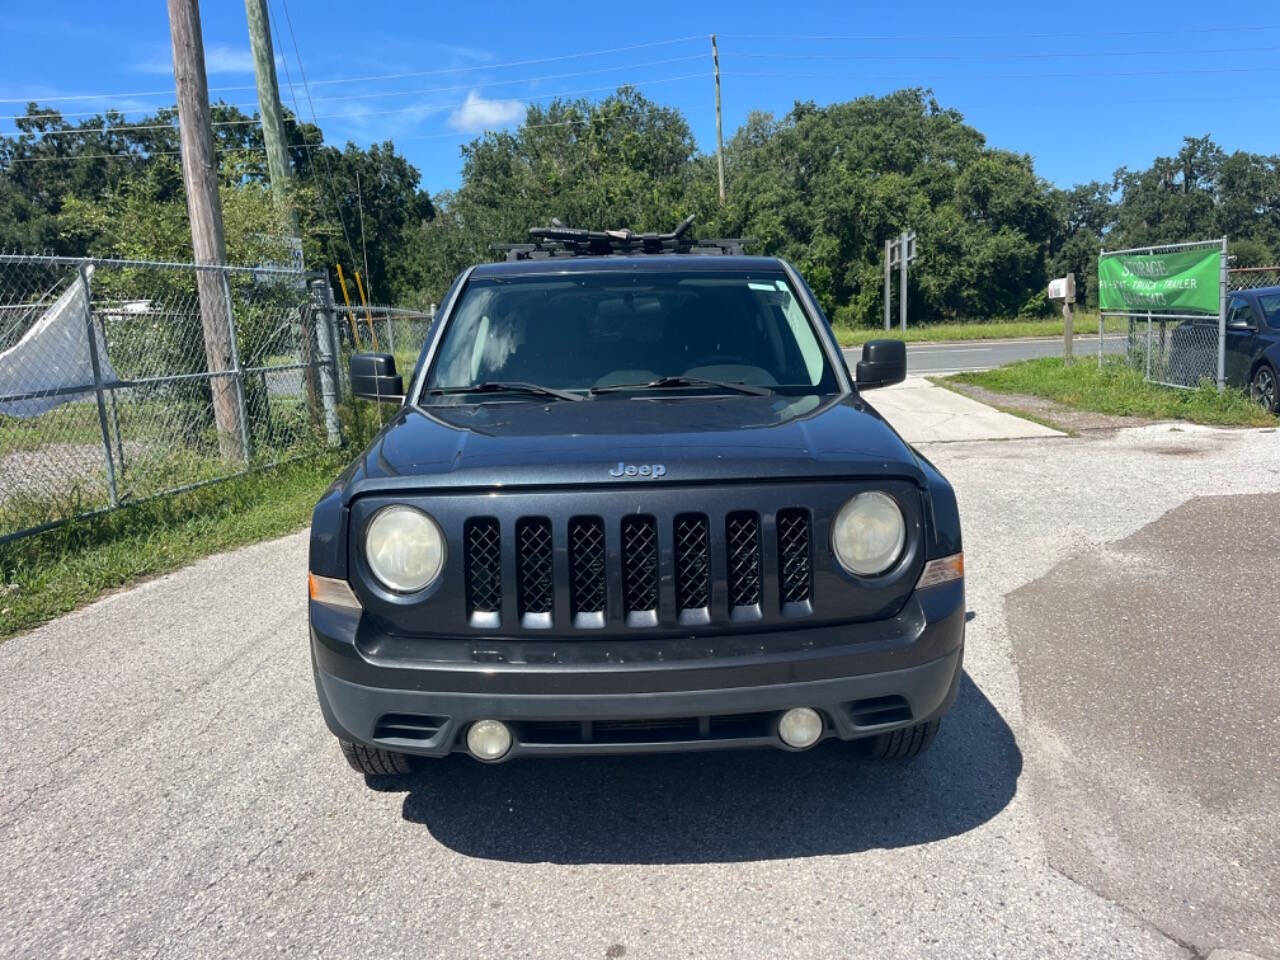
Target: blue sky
1083, 87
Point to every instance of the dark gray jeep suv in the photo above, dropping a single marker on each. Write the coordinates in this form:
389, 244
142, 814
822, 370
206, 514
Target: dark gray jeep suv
633, 501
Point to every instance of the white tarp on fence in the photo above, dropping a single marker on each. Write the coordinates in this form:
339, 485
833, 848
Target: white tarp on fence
52, 359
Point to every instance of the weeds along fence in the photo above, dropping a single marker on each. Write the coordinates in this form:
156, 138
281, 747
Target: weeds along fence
121, 380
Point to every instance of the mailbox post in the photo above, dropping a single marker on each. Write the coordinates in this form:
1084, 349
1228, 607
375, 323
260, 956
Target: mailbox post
1063, 290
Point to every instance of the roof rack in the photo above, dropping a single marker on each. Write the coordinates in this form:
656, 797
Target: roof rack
558, 240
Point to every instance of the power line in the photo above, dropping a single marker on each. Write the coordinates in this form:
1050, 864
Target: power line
413, 92
513, 63
133, 156
1005, 76
1091, 35
328, 176
1046, 55
457, 135
128, 128
435, 107
507, 83
385, 76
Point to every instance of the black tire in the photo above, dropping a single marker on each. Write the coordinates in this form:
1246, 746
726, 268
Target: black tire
1264, 388
374, 762
901, 744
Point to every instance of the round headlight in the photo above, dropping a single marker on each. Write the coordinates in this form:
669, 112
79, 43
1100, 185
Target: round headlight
404, 547
869, 533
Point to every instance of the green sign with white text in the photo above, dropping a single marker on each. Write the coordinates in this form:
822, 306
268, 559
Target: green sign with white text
1177, 282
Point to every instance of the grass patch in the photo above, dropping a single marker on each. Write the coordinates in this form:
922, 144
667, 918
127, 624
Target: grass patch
1119, 390
52, 573
1085, 324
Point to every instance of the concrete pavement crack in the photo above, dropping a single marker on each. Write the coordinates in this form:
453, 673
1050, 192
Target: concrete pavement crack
1193, 952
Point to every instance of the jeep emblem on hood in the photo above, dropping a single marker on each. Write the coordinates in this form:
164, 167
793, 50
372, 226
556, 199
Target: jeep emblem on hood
643, 470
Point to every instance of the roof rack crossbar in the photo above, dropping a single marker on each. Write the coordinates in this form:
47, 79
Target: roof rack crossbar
558, 240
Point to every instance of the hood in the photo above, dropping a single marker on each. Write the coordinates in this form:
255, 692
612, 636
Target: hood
692, 439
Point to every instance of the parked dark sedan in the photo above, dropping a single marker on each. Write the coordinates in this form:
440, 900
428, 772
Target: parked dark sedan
1252, 347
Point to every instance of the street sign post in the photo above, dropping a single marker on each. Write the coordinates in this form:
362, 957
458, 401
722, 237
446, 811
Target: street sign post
898, 252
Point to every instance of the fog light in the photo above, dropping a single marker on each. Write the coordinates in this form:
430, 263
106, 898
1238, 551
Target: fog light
489, 739
800, 727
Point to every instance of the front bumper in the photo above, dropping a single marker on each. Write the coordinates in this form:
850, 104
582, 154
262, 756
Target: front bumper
589, 697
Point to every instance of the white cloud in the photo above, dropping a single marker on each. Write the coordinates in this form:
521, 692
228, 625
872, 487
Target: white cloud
218, 59
478, 114
464, 53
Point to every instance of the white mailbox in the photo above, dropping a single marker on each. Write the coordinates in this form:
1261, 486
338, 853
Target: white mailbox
1064, 288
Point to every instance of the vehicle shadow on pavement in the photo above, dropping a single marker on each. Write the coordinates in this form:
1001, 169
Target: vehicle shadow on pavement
720, 807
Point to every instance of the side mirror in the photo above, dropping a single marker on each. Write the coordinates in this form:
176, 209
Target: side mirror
883, 363
1240, 323
374, 377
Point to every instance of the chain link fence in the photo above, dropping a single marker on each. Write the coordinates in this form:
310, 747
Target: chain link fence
121, 380
1174, 352
1174, 349
1250, 278
399, 331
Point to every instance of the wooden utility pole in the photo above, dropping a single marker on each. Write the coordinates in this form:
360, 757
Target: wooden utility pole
715, 63
273, 136
204, 208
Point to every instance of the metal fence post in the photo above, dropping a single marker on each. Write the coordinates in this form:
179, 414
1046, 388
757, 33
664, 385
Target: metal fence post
327, 353
902, 277
1222, 319
86, 271
888, 285
237, 372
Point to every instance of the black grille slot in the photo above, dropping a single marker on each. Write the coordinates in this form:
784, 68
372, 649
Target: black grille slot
742, 537
649, 730
586, 571
880, 710
483, 570
794, 556
534, 576
407, 726
693, 567
640, 570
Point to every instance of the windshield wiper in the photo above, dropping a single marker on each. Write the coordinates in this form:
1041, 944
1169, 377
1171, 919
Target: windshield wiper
506, 386
663, 383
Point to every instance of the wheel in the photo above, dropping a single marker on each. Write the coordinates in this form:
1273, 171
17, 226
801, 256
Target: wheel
1263, 388
900, 744
375, 762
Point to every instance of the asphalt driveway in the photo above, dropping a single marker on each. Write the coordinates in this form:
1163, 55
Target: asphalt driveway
169, 789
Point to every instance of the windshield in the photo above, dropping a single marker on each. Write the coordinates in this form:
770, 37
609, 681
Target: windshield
608, 330
1270, 303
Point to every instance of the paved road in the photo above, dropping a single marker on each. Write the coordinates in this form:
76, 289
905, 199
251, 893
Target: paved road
168, 788
981, 355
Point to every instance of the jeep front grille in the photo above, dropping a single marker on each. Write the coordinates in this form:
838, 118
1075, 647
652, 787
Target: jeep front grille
535, 578
640, 571
483, 571
693, 568
742, 542
586, 571
795, 569
655, 572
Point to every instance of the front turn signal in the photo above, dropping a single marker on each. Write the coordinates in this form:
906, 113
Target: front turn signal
331, 592
942, 570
